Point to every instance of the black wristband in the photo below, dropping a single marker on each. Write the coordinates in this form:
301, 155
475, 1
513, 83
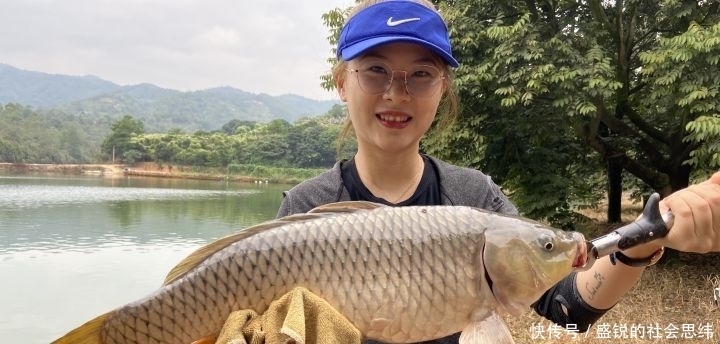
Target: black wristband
636, 262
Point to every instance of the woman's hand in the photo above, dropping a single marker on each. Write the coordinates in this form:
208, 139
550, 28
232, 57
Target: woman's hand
697, 217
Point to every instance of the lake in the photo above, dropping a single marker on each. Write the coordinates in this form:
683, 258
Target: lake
72, 248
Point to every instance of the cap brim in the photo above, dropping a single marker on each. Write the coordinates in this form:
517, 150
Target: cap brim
352, 51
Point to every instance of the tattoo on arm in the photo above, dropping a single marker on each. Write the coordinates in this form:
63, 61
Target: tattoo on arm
593, 287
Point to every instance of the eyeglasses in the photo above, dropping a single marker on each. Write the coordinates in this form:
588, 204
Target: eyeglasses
377, 78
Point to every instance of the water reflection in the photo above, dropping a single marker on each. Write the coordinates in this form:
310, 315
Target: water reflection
41, 213
72, 248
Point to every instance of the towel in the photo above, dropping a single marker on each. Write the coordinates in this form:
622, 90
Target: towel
298, 317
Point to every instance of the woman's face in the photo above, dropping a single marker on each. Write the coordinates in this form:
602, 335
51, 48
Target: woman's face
394, 120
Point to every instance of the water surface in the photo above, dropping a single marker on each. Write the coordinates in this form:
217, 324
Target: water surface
72, 248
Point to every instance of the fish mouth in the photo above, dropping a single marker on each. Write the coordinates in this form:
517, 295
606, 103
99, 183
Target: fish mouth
581, 257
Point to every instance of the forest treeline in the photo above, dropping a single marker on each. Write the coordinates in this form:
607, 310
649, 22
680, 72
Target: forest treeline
30, 136
307, 143
27, 136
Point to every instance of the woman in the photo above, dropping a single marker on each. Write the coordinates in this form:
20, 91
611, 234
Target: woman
394, 73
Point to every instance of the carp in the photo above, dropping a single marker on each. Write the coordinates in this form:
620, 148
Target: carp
398, 274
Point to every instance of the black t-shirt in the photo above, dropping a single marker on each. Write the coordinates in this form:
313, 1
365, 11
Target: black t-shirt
427, 192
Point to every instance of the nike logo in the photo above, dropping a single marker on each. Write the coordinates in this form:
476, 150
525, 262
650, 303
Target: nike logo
390, 21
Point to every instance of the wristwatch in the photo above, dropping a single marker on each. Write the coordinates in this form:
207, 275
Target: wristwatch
637, 262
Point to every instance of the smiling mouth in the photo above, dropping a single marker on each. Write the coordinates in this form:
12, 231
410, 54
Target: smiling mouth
395, 119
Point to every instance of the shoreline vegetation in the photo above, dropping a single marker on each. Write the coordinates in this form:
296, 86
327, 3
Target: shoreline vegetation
235, 172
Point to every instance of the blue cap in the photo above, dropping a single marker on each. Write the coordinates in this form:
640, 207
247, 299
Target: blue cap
395, 21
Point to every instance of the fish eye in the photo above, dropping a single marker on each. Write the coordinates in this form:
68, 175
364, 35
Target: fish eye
546, 242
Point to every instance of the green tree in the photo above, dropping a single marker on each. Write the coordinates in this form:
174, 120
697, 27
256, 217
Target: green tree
574, 85
120, 140
333, 20
12, 117
312, 144
686, 67
71, 142
32, 136
236, 126
132, 156
10, 151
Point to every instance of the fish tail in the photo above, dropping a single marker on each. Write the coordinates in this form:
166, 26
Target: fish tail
87, 333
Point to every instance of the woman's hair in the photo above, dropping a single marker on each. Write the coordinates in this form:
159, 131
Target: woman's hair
448, 108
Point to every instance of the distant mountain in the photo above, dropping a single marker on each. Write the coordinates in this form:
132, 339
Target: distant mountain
160, 109
46, 90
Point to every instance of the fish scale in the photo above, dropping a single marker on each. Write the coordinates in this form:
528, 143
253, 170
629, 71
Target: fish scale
400, 274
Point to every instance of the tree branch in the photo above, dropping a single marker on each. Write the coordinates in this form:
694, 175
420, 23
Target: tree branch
620, 127
657, 180
599, 12
532, 7
713, 10
645, 127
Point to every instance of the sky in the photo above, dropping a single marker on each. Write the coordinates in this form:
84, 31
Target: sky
259, 46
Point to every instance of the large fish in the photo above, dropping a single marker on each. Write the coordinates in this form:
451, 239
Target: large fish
399, 274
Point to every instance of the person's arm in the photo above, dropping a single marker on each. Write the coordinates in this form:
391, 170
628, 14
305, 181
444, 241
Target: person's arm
604, 284
696, 228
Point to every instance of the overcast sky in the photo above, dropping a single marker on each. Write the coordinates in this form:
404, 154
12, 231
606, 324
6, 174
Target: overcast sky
259, 46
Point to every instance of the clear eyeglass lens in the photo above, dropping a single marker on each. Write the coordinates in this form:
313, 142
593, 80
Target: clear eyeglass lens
419, 81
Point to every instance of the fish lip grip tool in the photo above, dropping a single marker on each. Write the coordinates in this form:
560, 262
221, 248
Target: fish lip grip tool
649, 226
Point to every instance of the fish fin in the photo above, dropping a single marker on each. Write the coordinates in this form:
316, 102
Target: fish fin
87, 333
346, 207
198, 256
488, 328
